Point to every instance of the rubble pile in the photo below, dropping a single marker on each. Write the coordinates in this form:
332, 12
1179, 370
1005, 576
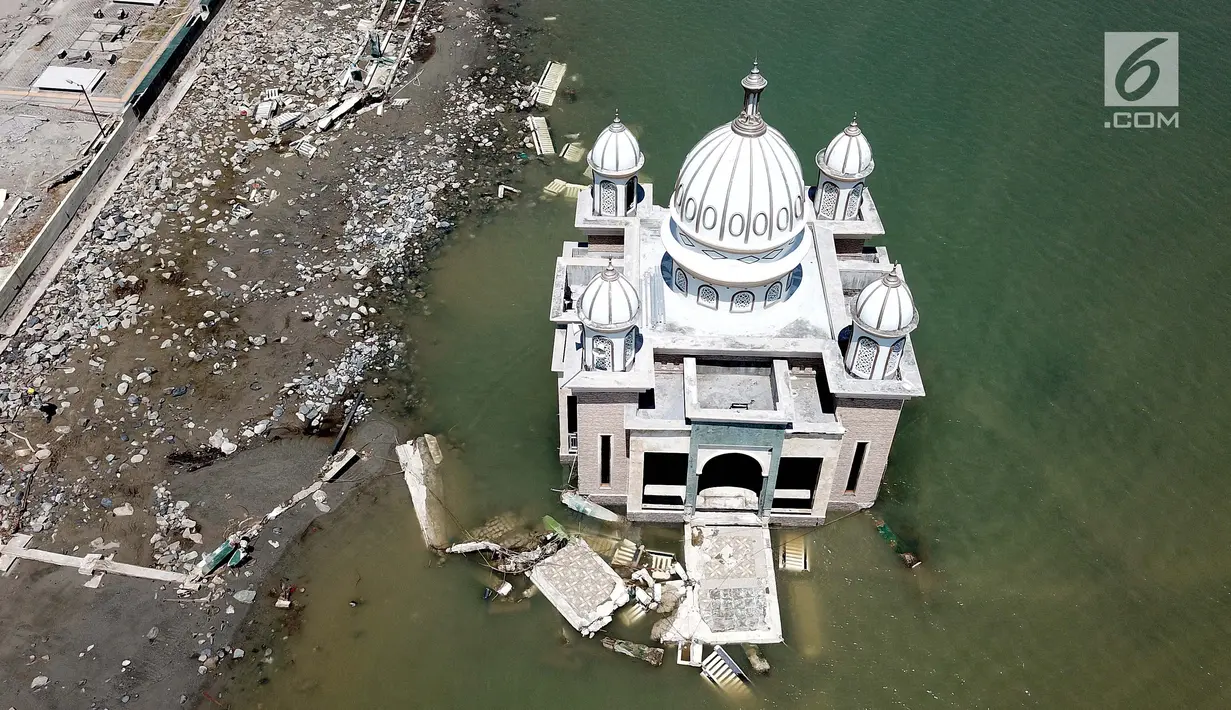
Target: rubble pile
203, 198
176, 533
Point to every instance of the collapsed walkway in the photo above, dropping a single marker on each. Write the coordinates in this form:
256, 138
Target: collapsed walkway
732, 597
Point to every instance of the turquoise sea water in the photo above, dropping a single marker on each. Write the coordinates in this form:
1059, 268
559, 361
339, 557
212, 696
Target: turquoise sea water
1066, 477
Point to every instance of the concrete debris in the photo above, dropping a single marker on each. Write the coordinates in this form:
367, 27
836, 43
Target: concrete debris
419, 468
581, 586
545, 88
337, 463
124, 510
39, 681
558, 187
246, 596
540, 134
755, 659
219, 441
573, 152
651, 655
196, 249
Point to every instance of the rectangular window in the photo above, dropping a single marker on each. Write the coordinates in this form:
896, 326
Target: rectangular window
604, 461
571, 404
852, 481
796, 483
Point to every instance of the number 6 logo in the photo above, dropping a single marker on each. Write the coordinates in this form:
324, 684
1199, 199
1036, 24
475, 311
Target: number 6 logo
1141, 69
1134, 63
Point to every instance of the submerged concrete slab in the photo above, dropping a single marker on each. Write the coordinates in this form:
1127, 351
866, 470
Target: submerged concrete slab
581, 585
733, 597
419, 459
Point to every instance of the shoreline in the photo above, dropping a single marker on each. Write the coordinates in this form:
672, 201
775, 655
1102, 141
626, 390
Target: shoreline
283, 361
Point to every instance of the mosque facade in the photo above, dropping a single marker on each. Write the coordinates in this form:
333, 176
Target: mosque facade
742, 353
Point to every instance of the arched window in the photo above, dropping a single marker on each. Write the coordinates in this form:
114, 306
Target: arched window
607, 198
742, 302
853, 201
895, 356
602, 352
794, 280
681, 281
708, 297
630, 348
665, 269
829, 201
865, 357
774, 293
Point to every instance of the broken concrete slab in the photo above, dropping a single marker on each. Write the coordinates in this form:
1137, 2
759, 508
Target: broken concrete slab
419, 467
582, 587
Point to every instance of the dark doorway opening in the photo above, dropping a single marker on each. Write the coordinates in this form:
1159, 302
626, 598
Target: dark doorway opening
733, 470
797, 479
665, 477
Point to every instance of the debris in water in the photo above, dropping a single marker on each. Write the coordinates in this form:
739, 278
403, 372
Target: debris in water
560, 187
908, 558
649, 654
723, 672
582, 587
419, 460
794, 557
540, 134
755, 659
583, 505
545, 88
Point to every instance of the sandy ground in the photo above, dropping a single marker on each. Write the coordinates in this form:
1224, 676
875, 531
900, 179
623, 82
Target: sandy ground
81, 639
50, 620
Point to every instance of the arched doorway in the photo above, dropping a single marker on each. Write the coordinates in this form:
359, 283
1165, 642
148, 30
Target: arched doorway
730, 482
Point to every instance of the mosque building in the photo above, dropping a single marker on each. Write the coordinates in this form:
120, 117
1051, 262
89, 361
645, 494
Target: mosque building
741, 353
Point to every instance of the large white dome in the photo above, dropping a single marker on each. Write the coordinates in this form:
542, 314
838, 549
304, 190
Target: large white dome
741, 188
848, 156
609, 302
616, 152
886, 307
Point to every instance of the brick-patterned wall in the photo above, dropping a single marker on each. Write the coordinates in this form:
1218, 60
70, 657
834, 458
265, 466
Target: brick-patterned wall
873, 421
600, 413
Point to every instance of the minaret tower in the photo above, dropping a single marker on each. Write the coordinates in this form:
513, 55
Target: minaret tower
608, 309
844, 165
615, 160
884, 314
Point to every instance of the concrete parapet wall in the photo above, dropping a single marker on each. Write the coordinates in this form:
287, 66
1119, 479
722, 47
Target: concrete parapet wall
33, 256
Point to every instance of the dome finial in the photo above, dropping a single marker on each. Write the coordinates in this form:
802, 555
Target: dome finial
749, 121
617, 116
853, 129
610, 273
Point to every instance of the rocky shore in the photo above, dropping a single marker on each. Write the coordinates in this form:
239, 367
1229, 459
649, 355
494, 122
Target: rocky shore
230, 295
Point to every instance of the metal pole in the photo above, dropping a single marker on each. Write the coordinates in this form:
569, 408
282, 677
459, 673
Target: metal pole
90, 104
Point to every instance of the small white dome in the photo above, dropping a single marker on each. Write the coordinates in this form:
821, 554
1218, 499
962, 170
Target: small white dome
615, 152
886, 307
609, 302
741, 188
848, 157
